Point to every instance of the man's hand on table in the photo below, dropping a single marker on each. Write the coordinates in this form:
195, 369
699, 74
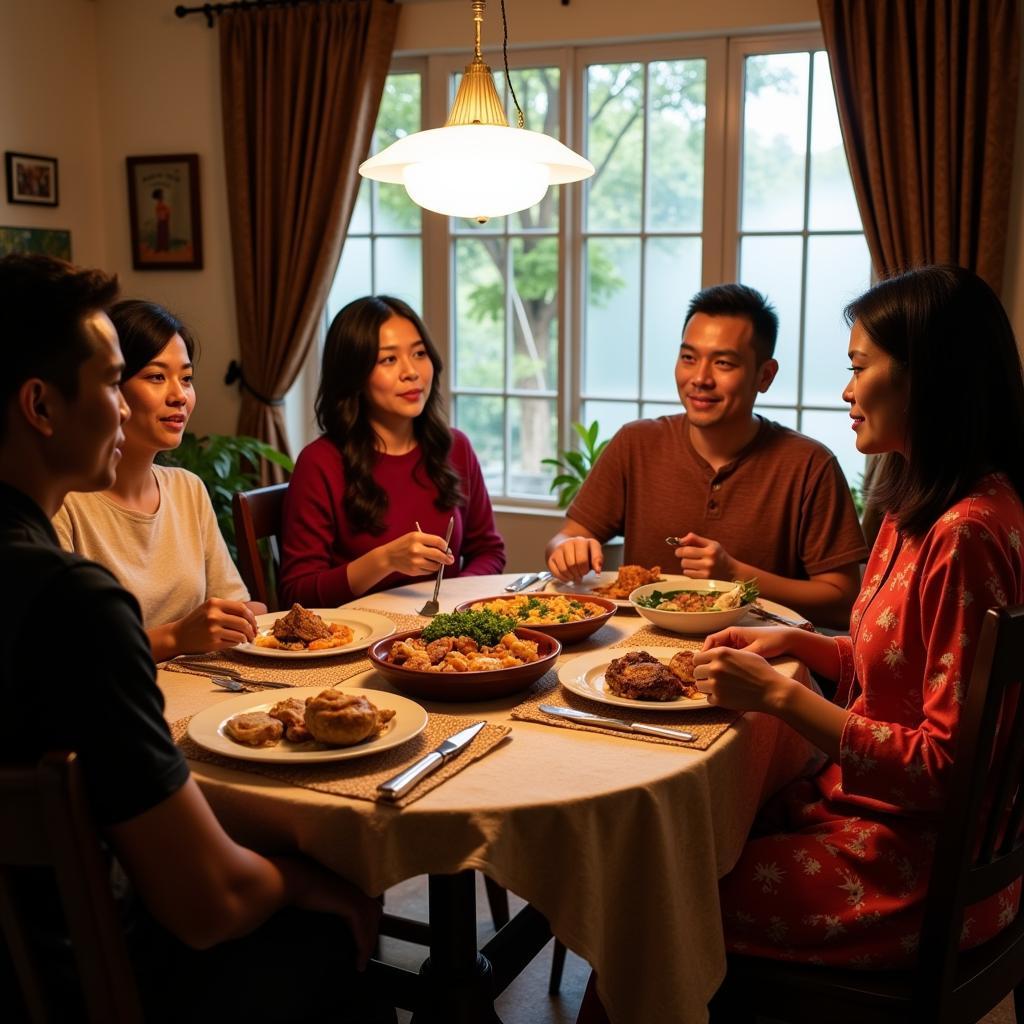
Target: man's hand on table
571, 560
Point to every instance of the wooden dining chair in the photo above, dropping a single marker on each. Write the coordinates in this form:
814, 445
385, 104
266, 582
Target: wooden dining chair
258, 514
979, 852
45, 822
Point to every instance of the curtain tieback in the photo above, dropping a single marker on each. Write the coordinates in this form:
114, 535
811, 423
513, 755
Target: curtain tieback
235, 373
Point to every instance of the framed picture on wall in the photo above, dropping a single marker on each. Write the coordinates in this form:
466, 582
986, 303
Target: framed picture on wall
31, 179
163, 212
49, 241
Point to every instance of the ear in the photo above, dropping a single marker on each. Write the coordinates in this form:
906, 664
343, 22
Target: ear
36, 404
766, 374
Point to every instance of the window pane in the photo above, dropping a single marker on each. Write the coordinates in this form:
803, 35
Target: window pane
353, 278
610, 416
838, 270
774, 141
651, 410
615, 138
399, 116
533, 435
360, 222
612, 317
479, 276
833, 205
833, 430
773, 266
480, 418
787, 417
537, 90
675, 163
534, 313
398, 263
671, 276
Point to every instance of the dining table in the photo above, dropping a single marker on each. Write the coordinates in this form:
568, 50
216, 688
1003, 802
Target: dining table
615, 843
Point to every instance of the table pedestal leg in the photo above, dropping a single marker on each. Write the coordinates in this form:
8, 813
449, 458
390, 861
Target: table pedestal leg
457, 985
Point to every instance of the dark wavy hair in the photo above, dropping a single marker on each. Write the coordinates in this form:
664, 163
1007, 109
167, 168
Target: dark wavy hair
144, 328
740, 300
45, 302
350, 354
948, 333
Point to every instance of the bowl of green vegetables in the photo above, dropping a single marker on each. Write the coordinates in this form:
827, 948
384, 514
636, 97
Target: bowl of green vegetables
698, 607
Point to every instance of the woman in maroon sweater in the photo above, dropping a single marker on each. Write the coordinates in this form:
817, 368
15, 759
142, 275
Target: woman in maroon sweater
369, 501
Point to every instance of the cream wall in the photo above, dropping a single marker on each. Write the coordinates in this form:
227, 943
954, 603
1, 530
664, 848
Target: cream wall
49, 107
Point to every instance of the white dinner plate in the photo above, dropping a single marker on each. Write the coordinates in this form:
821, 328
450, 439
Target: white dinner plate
600, 579
207, 727
367, 628
584, 676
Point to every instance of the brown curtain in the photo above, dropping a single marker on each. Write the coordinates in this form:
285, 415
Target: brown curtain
300, 88
927, 97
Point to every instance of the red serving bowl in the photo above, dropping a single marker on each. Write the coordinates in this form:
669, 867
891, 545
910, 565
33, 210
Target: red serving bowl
464, 686
564, 632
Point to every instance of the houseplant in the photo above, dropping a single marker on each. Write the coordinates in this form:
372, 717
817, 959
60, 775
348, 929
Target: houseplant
573, 466
225, 464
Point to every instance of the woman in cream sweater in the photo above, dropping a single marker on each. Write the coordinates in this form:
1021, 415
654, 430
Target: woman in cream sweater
155, 528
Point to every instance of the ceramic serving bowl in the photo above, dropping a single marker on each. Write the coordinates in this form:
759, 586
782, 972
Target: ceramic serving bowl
690, 623
464, 686
564, 632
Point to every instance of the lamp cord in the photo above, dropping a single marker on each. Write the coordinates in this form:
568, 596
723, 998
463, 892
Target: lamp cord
520, 120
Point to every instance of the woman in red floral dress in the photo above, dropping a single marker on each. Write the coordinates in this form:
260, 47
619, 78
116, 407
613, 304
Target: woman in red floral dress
837, 867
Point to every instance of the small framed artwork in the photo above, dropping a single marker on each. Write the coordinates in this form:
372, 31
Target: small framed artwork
31, 179
50, 242
163, 211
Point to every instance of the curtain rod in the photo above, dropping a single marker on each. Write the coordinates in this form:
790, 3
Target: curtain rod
210, 11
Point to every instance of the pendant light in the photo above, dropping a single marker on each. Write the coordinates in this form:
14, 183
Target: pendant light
476, 166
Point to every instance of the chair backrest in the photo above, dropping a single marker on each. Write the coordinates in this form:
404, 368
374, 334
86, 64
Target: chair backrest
980, 849
258, 515
45, 822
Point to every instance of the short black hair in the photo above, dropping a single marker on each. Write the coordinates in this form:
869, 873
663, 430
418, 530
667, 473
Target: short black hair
144, 329
740, 300
43, 303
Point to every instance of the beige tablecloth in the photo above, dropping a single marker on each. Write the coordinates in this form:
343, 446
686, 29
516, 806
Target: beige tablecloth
620, 844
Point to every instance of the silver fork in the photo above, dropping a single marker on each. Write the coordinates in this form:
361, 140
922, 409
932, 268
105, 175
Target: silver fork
431, 608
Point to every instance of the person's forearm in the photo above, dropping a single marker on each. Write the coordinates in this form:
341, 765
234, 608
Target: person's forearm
366, 570
821, 602
819, 653
163, 641
815, 717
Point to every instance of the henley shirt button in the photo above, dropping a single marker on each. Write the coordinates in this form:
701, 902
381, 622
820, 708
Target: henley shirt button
717, 487
712, 504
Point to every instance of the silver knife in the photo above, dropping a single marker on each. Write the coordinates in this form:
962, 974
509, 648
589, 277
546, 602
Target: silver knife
522, 583
616, 723
404, 781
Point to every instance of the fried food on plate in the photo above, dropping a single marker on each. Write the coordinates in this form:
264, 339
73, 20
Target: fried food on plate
630, 577
254, 729
343, 719
303, 630
291, 713
640, 676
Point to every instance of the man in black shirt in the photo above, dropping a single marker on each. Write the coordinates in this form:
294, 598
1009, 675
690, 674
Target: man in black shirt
75, 666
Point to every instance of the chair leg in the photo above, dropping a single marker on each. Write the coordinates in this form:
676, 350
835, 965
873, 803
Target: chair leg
557, 966
497, 900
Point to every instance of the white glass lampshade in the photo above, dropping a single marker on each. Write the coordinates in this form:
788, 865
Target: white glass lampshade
477, 170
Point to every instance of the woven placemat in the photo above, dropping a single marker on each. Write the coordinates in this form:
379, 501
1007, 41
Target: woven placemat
358, 778
326, 671
651, 636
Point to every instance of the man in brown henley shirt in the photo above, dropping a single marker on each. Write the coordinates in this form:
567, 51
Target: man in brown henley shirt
748, 498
